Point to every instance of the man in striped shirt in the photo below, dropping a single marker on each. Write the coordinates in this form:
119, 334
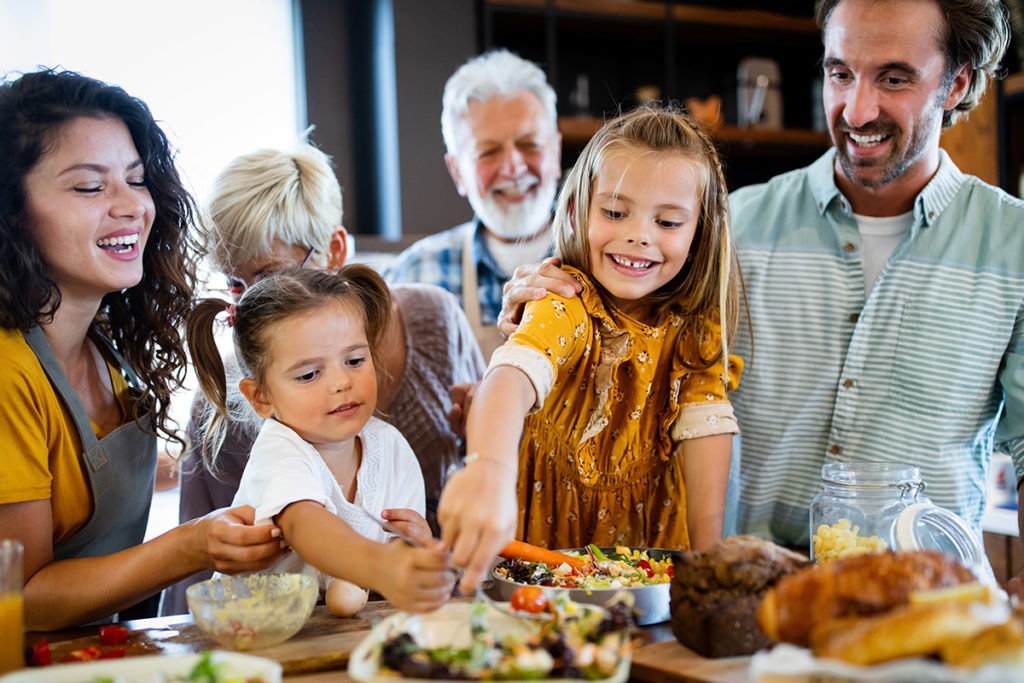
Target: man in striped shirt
885, 287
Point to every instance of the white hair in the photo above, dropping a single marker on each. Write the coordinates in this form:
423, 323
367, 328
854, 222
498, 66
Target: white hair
492, 74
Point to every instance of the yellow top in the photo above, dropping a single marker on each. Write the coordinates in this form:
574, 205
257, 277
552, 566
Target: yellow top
41, 445
597, 462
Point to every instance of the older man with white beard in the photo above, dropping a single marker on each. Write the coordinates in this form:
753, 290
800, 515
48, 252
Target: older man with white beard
499, 125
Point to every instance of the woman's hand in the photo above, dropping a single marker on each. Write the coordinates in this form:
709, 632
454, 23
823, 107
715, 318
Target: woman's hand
530, 283
477, 514
410, 523
232, 543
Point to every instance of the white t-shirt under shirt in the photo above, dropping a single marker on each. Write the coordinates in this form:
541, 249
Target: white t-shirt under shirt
283, 469
510, 255
879, 237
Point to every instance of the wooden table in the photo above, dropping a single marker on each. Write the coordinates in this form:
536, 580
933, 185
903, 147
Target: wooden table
319, 652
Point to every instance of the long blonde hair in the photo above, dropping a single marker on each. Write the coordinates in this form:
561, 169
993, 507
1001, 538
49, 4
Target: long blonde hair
708, 286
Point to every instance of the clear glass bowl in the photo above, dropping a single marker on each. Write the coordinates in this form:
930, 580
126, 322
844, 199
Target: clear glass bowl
247, 612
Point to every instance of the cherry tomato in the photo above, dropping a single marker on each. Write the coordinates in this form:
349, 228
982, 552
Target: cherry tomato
113, 634
646, 566
529, 599
670, 570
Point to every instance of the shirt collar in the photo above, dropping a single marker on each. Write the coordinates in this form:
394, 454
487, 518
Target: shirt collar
483, 254
928, 205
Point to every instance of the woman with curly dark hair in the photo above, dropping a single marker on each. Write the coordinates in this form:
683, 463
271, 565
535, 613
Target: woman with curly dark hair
98, 273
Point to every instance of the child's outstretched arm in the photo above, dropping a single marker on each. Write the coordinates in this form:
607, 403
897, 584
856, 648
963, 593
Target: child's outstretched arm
706, 470
478, 510
413, 579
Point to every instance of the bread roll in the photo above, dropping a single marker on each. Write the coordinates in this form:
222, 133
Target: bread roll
1003, 643
908, 631
863, 585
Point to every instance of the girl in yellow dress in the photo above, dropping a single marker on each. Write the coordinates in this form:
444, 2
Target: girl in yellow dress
604, 418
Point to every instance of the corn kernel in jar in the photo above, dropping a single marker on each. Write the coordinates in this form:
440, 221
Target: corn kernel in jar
843, 539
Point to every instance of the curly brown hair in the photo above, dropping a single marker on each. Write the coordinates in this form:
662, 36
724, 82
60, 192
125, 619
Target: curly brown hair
143, 322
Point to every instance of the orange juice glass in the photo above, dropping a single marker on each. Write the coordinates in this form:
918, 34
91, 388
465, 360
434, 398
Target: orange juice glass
12, 617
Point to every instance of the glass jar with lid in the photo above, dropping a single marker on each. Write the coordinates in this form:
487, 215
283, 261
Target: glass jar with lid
874, 506
858, 506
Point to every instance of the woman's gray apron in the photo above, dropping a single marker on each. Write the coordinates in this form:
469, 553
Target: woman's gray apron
120, 467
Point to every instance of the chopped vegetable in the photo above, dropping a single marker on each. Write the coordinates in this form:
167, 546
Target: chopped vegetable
39, 654
112, 634
533, 553
529, 599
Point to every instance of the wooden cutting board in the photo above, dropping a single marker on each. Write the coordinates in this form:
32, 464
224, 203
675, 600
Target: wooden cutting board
669, 662
323, 644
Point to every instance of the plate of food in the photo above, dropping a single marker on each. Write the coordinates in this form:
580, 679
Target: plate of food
476, 640
208, 667
592, 575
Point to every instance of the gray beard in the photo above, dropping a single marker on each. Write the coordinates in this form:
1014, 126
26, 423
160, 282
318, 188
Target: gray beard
519, 221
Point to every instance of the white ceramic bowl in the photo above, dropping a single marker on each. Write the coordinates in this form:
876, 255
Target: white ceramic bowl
247, 612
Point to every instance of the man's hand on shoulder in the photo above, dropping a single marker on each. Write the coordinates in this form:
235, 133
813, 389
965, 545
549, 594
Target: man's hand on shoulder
529, 283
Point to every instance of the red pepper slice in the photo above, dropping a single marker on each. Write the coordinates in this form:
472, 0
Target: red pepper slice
41, 655
113, 634
113, 653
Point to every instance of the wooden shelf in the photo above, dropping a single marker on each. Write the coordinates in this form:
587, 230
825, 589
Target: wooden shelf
744, 19
577, 130
659, 10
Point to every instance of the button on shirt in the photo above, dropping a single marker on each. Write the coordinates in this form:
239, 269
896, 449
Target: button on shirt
927, 370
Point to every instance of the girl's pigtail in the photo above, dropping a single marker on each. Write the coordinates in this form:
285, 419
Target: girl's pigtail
376, 301
209, 368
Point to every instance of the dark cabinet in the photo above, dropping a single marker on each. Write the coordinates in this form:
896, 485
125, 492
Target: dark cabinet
1011, 121
603, 56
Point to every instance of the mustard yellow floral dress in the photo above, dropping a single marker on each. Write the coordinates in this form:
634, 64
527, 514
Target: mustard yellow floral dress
598, 462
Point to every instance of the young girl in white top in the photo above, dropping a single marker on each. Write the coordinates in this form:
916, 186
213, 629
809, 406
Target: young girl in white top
604, 419
305, 341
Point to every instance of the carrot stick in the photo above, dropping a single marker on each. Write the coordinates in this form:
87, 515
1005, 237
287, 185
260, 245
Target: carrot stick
533, 553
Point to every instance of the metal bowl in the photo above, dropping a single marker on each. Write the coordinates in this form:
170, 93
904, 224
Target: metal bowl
651, 603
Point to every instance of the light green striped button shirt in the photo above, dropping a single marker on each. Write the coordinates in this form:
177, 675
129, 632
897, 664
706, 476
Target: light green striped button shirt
928, 370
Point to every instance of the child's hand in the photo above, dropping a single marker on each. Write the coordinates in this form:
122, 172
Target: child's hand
477, 513
409, 522
416, 579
